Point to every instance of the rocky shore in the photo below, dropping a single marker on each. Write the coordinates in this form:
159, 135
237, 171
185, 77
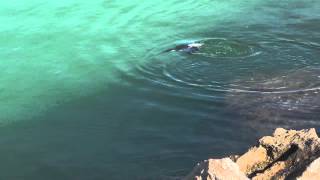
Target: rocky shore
287, 154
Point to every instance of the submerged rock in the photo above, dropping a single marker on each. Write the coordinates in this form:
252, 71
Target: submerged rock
278, 100
285, 155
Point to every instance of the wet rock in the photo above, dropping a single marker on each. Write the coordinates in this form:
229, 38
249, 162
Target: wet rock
216, 169
284, 155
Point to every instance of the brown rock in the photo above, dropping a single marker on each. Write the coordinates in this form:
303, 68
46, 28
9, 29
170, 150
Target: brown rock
255, 159
269, 173
312, 172
281, 155
216, 169
285, 155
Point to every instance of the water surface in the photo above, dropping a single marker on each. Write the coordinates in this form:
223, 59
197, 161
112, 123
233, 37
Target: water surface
87, 94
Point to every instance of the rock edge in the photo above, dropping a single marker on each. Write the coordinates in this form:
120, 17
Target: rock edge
287, 154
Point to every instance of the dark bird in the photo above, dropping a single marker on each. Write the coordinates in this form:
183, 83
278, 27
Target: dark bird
188, 48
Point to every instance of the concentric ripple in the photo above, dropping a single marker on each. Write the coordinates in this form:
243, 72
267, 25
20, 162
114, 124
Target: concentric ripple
232, 65
200, 70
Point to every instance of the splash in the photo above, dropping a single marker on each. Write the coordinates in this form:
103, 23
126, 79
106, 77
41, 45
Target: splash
225, 48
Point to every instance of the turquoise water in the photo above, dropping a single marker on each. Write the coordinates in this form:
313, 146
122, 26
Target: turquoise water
85, 92
58, 51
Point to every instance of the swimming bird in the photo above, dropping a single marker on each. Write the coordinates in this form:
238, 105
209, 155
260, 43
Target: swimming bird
188, 48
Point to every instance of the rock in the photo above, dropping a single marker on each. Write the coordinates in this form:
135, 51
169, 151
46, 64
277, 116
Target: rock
216, 169
255, 159
285, 155
312, 172
281, 155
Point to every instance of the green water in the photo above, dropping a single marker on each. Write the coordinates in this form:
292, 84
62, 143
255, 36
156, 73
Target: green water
53, 52
86, 92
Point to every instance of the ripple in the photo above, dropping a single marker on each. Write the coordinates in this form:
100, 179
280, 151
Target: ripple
293, 97
229, 65
198, 70
295, 81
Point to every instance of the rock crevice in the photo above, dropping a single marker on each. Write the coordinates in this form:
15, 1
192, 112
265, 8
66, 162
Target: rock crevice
286, 154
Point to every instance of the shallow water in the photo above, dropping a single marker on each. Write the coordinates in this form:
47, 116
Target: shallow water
87, 94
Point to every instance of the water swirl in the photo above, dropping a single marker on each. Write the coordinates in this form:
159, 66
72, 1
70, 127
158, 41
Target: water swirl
225, 48
225, 65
